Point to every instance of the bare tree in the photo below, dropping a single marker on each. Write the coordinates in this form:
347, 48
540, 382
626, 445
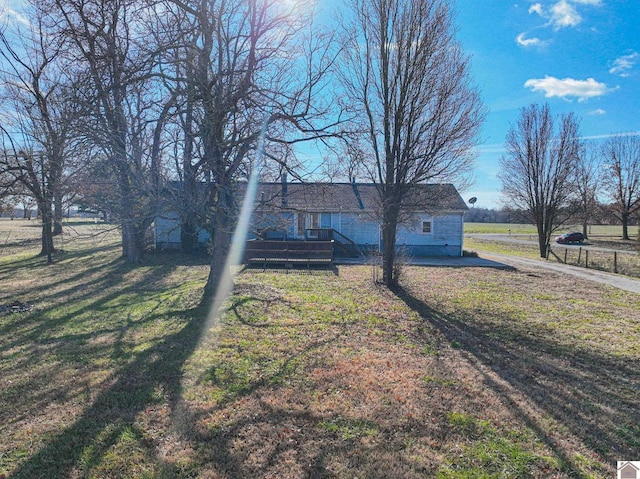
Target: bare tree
588, 185
7, 201
246, 67
621, 176
409, 82
108, 50
10, 192
538, 170
36, 135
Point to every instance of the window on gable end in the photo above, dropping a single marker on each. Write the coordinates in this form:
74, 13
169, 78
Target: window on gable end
426, 227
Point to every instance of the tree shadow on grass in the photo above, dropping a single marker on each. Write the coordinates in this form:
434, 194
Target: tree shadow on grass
77, 289
84, 443
592, 399
78, 326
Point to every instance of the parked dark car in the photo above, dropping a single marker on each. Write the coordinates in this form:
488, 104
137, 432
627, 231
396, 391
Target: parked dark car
570, 238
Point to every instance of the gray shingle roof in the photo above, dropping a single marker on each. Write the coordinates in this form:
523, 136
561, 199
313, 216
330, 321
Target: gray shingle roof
329, 197
347, 197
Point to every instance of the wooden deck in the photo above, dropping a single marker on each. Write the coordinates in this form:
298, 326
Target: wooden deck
289, 253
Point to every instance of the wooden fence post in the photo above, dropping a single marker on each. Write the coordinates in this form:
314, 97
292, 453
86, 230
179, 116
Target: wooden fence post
565, 255
586, 258
615, 262
579, 255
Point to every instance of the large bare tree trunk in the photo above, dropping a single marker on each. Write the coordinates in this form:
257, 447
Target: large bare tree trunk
625, 225
47, 230
58, 213
388, 255
225, 214
132, 229
132, 242
389, 229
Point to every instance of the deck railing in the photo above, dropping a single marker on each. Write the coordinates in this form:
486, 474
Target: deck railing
289, 253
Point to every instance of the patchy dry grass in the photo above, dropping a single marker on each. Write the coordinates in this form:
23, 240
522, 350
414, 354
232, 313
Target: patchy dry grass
460, 373
621, 261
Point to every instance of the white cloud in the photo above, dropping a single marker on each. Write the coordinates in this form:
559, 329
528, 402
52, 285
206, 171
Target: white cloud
529, 42
536, 8
11, 14
622, 65
610, 135
563, 13
567, 87
597, 112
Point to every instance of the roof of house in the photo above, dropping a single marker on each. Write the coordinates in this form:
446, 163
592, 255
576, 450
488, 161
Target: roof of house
331, 197
347, 197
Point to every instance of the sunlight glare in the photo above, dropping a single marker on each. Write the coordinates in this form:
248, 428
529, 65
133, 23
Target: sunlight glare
234, 258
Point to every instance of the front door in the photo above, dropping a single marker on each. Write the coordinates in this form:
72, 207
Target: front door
307, 220
302, 224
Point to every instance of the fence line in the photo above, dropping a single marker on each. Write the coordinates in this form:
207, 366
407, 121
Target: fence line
619, 262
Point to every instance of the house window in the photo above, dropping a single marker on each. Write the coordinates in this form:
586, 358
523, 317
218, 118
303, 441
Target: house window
426, 227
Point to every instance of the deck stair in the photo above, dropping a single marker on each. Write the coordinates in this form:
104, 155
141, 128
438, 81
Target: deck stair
342, 245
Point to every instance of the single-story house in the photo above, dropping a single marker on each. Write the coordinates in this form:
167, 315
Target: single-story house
432, 223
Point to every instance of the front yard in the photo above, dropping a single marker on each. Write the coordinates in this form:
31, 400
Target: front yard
118, 372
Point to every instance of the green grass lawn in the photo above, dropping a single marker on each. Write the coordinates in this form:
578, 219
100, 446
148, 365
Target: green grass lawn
499, 228
117, 372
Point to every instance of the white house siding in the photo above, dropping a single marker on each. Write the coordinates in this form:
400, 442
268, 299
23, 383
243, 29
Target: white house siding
360, 229
167, 231
445, 238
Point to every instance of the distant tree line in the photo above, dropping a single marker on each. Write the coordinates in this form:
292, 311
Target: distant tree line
492, 215
602, 214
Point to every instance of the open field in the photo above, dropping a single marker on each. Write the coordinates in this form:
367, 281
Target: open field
116, 372
515, 229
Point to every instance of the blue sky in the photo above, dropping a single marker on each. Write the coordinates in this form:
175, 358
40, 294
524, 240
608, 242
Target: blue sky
580, 56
